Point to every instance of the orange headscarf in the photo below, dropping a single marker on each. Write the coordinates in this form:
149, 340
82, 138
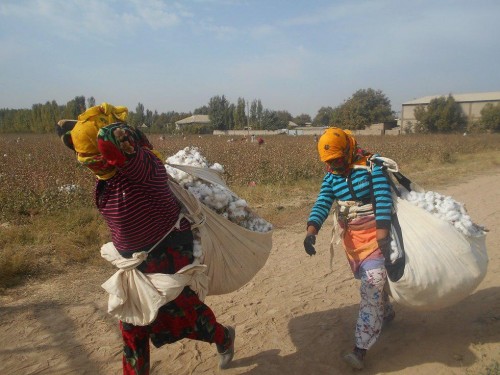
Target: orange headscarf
336, 143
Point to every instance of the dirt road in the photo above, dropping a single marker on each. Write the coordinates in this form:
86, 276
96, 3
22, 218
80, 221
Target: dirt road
295, 317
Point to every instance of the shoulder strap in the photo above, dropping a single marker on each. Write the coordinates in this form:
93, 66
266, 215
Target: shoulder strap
387, 165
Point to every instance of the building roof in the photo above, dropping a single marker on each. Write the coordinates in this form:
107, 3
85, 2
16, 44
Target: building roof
312, 128
195, 119
471, 97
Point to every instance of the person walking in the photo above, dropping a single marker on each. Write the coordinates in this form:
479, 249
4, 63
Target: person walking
363, 205
144, 217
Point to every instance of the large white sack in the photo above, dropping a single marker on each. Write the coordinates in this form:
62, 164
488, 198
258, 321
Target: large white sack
442, 265
233, 254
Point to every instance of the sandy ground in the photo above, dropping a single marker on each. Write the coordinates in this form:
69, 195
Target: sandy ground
295, 317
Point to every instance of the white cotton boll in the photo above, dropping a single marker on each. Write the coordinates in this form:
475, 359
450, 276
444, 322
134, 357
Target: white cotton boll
188, 156
264, 226
209, 200
196, 192
68, 188
225, 195
219, 201
241, 203
216, 197
448, 205
238, 216
205, 189
414, 196
409, 196
218, 167
460, 227
238, 210
394, 251
179, 176
428, 207
466, 220
447, 209
453, 216
197, 249
468, 226
471, 228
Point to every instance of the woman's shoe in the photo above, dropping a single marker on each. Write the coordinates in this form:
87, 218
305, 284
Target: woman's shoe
225, 357
389, 317
356, 358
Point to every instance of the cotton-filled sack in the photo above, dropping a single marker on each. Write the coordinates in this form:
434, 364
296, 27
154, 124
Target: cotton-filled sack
442, 265
233, 254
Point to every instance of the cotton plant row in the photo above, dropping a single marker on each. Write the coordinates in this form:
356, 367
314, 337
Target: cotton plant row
217, 197
445, 208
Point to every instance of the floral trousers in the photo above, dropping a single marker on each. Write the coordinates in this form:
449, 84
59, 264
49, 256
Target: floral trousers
184, 317
373, 308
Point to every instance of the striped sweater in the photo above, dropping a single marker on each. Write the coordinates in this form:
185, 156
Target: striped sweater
137, 203
354, 188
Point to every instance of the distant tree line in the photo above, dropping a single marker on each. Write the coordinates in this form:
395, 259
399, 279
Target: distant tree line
224, 115
490, 119
364, 107
41, 118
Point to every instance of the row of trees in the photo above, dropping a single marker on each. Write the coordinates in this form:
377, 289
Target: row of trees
490, 119
223, 114
445, 115
442, 115
364, 107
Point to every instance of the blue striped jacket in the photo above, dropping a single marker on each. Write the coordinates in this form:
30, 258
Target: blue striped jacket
356, 187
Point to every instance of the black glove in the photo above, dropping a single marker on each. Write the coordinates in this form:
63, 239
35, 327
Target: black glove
385, 247
309, 241
395, 270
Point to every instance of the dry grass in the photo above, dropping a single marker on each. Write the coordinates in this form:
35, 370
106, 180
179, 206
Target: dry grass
47, 215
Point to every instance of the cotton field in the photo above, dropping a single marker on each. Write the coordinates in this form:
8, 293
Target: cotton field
38, 165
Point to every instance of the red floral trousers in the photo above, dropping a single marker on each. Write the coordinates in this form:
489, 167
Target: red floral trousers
184, 317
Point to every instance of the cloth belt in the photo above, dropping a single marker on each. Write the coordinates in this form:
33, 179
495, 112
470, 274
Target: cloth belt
135, 297
346, 211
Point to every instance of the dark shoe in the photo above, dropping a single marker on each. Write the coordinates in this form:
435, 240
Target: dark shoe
389, 317
356, 358
226, 356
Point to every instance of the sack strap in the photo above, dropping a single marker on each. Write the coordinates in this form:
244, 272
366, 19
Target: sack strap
389, 165
177, 225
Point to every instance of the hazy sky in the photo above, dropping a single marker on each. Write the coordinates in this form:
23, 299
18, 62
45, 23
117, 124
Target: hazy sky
293, 55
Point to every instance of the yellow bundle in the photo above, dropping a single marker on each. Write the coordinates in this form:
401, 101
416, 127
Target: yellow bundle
84, 134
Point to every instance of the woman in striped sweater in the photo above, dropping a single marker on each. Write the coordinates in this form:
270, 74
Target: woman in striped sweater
133, 197
363, 204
